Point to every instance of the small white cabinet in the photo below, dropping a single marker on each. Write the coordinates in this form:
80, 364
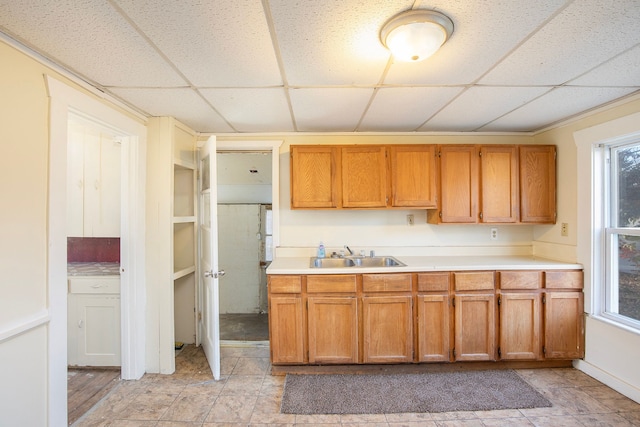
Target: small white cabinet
94, 321
93, 183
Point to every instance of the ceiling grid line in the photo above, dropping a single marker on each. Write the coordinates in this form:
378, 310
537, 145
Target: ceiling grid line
278, 66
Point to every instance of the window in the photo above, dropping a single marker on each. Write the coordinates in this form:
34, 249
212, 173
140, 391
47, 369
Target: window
622, 233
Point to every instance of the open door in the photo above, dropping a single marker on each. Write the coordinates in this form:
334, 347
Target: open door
209, 315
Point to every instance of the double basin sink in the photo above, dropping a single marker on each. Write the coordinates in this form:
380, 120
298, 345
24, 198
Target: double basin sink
355, 261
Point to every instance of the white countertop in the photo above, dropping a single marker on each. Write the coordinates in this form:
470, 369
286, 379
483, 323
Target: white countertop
301, 265
93, 269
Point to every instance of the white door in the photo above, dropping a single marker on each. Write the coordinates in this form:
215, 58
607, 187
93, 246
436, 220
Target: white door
209, 275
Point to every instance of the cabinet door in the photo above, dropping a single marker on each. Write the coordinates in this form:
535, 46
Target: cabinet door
563, 331
108, 224
520, 326
364, 177
499, 184
433, 328
387, 329
538, 184
286, 329
458, 184
98, 329
315, 177
413, 176
75, 183
475, 327
333, 329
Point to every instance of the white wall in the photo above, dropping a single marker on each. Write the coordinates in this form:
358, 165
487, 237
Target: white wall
24, 307
611, 353
236, 181
239, 256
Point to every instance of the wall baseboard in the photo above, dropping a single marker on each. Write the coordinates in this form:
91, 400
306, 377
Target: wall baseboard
609, 380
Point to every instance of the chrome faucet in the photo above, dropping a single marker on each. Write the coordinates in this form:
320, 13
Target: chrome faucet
347, 248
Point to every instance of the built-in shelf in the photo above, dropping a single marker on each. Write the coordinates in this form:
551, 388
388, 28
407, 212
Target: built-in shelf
184, 272
183, 219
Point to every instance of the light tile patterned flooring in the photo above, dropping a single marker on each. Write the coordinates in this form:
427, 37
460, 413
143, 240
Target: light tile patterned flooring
248, 395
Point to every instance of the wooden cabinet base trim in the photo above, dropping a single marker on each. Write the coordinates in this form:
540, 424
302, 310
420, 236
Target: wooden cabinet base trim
416, 368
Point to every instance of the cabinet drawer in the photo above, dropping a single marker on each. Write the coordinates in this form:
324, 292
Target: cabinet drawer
285, 284
95, 285
563, 280
386, 282
333, 283
520, 279
431, 282
474, 280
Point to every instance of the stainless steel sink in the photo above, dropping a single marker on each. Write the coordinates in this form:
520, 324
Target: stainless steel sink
379, 261
331, 262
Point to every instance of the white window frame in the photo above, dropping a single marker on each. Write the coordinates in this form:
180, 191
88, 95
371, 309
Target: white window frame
608, 297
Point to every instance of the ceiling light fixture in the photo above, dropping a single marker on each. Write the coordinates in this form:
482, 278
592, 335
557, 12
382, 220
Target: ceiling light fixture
415, 35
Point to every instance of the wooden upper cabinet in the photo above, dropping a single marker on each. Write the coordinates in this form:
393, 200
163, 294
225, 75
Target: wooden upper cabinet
413, 176
458, 184
538, 184
364, 176
315, 177
499, 184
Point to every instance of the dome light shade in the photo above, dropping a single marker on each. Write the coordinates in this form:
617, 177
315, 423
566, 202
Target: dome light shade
416, 35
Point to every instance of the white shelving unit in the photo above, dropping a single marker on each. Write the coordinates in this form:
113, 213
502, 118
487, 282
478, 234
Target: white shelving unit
172, 235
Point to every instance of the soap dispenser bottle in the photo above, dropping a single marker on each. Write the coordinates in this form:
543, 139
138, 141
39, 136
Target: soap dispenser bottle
321, 251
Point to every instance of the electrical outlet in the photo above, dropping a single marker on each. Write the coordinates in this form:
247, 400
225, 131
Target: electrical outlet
494, 234
564, 229
410, 219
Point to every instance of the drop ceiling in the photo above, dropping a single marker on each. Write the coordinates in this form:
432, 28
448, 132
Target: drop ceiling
318, 65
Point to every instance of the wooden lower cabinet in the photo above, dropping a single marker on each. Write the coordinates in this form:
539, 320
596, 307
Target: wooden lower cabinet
387, 331
333, 329
563, 319
434, 318
286, 330
475, 327
458, 316
520, 326
286, 319
433, 328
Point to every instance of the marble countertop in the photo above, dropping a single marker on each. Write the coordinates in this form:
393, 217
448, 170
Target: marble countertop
93, 269
301, 265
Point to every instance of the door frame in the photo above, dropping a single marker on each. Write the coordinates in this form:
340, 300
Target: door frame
265, 145
63, 100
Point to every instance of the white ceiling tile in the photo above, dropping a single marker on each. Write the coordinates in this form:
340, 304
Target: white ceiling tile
505, 52
484, 32
183, 104
405, 108
252, 110
333, 42
581, 37
558, 104
329, 109
479, 106
623, 70
91, 38
215, 44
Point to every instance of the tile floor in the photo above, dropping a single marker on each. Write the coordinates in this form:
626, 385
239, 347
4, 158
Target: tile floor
248, 395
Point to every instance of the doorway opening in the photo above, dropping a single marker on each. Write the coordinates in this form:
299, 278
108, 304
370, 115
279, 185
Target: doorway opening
245, 242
